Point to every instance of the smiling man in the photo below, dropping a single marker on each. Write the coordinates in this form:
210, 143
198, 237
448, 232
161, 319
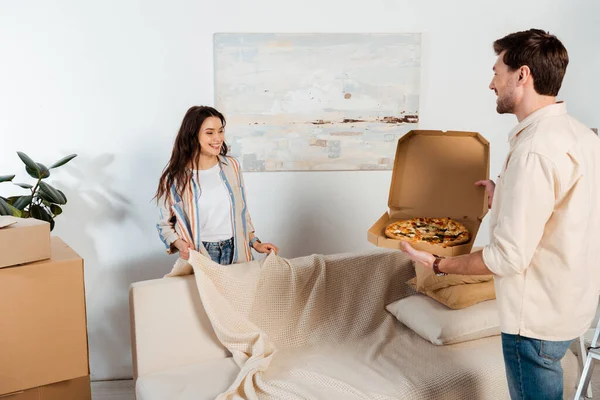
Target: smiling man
545, 219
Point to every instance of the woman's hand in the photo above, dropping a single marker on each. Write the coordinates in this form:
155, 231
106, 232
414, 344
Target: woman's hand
184, 248
265, 247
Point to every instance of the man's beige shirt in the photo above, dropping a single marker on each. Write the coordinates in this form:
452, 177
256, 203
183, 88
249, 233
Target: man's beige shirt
545, 228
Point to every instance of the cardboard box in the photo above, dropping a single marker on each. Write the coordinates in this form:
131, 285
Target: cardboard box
25, 240
433, 176
43, 333
74, 389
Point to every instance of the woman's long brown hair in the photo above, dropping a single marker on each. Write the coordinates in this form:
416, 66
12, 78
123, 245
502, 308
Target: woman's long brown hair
186, 151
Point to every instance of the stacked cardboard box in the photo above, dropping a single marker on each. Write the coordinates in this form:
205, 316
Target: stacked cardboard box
43, 330
434, 175
23, 240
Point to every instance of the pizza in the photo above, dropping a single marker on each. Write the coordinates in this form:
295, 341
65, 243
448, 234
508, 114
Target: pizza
443, 231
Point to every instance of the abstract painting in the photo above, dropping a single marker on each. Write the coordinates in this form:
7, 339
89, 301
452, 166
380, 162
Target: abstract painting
317, 102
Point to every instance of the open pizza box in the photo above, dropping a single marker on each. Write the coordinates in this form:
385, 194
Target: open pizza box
434, 176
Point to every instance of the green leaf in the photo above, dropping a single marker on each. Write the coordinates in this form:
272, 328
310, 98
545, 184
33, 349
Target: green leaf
6, 178
46, 199
24, 185
41, 171
55, 209
7, 209
51, 194
32, 172
63, 161
12, 199
29, 164
22, 202
40, 213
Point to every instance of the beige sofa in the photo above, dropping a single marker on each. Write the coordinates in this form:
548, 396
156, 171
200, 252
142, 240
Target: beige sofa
176, 355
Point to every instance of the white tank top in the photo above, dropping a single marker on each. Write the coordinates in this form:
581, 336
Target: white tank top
214, 206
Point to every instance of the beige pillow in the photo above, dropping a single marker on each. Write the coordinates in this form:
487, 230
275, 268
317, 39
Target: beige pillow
427, 280
460, 296
440, 325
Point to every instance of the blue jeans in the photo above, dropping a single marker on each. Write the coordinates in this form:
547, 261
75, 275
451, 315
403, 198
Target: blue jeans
220, 252
533, 367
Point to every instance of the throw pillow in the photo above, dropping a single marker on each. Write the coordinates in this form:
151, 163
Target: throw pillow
440, 325
460, 296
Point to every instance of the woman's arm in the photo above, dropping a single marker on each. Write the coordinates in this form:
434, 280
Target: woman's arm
166, 225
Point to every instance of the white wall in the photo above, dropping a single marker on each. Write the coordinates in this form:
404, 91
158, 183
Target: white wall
111, 80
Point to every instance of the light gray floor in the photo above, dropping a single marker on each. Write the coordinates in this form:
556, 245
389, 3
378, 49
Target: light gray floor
123, 390
113, 390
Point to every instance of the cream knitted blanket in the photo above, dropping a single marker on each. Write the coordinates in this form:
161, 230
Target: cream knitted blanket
316, 328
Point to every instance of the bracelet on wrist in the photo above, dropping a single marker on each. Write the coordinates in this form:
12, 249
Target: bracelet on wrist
254, 240
436, 266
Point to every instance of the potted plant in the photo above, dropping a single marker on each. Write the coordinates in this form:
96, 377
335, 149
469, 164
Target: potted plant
44, 201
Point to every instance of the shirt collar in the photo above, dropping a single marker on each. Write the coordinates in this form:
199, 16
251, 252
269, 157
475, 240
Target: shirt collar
222, 159
558, 108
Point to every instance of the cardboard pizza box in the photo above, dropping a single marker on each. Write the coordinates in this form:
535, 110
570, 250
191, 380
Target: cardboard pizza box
23, 240
434, 175
43, 333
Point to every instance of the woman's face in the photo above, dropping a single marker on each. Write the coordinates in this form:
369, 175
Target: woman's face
211, 136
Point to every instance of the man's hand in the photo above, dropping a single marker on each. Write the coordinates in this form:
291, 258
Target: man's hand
184, 248
418, 256
490, 186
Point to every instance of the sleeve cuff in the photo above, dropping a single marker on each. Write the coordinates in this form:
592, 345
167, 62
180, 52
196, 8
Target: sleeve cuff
169, 241
490, 260
498, 262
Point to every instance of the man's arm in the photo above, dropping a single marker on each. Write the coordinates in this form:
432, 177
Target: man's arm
469, 264
530, 185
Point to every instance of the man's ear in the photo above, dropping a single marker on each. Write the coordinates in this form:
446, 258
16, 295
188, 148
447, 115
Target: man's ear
524, 75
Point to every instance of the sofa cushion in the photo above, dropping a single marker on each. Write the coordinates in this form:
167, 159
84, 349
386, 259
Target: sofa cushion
193, 382
440, 325
459, 296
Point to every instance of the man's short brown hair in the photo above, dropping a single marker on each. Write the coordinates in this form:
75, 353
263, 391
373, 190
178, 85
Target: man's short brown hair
542, 52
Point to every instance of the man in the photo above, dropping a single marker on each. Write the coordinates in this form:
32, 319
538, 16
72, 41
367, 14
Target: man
545, 219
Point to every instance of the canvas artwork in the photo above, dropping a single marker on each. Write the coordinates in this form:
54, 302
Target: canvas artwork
315, 102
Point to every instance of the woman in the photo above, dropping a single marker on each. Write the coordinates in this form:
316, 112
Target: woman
202, 197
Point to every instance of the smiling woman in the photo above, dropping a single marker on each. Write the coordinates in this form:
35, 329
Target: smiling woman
202, 197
